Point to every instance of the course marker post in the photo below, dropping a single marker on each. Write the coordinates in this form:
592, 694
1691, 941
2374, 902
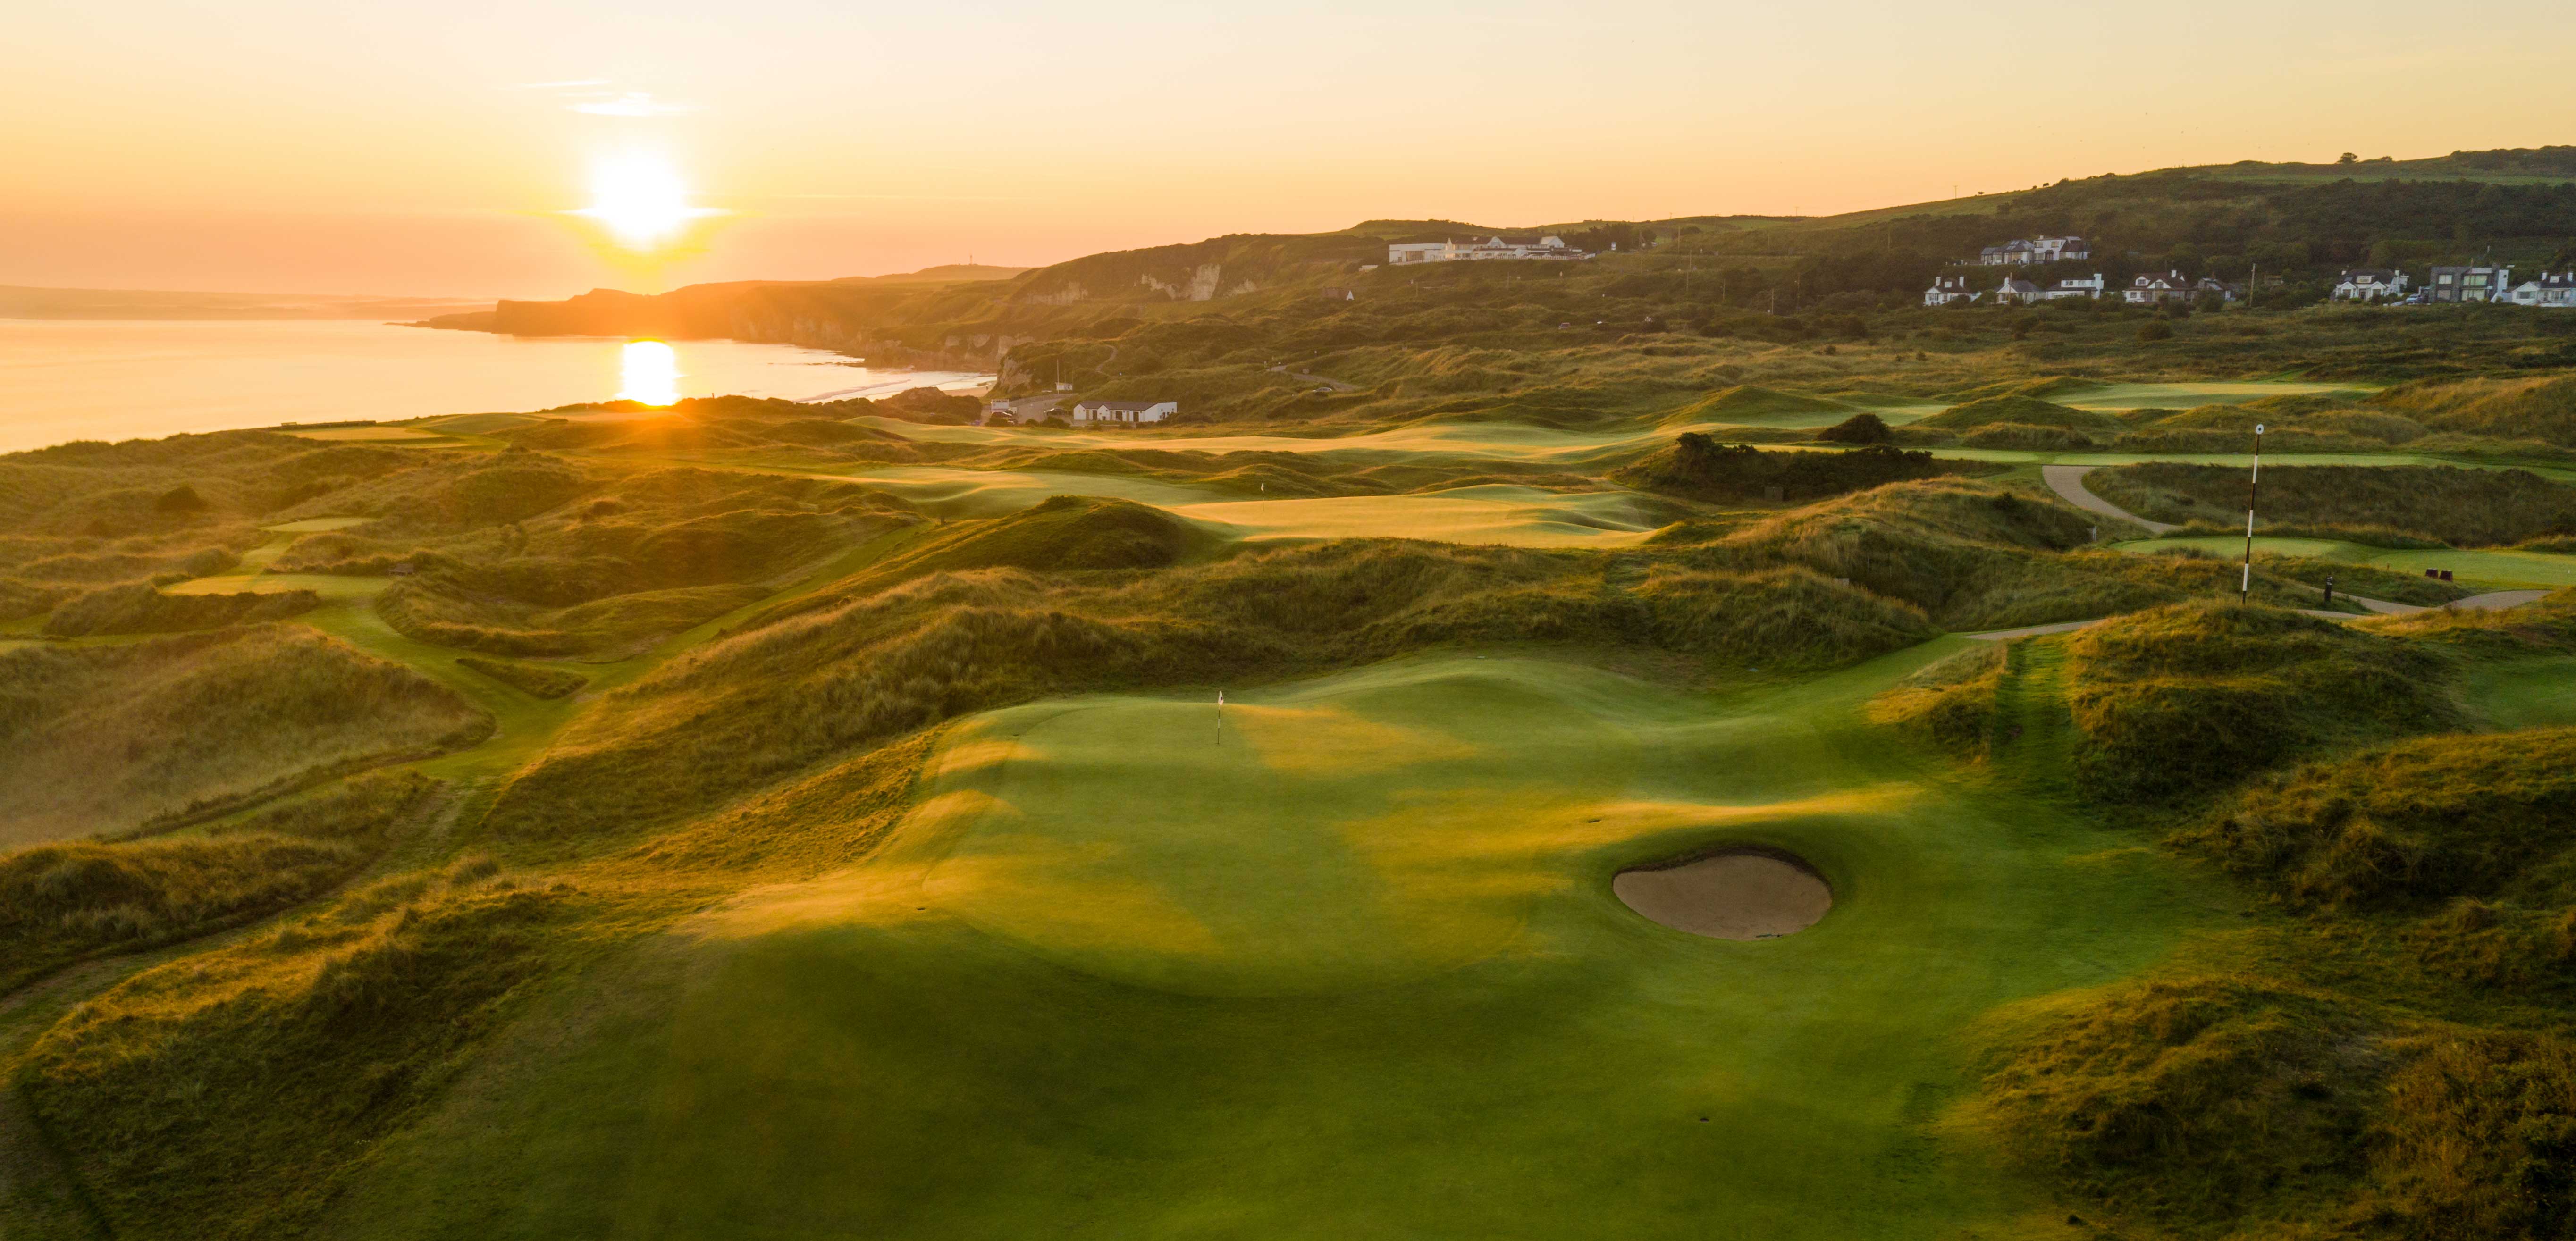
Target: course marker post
2253, 484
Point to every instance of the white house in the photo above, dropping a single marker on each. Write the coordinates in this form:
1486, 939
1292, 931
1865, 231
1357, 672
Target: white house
2073, 286
1548, 247
2469, 284
2021, 252
2558, 291
2016, 291
2369, 284
2149, 288
1123, 413
1948, 289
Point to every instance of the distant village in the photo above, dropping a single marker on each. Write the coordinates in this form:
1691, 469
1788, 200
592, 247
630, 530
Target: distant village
2363, 284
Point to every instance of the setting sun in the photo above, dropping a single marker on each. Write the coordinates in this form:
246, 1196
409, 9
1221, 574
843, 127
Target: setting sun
649, 372
640, 199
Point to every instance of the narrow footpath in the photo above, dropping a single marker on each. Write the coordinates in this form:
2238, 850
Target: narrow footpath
2068, 482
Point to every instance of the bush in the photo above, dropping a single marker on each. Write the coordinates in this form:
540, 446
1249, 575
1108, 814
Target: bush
1861, 428
2153, 331
1701, 468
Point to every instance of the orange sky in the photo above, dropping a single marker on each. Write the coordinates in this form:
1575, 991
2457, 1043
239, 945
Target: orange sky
304, 146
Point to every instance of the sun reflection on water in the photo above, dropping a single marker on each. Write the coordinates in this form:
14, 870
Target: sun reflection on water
648, 371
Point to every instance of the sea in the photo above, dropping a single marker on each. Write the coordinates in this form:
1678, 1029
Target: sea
64, 380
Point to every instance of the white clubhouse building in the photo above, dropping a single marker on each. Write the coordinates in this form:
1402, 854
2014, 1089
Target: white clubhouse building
1548, 247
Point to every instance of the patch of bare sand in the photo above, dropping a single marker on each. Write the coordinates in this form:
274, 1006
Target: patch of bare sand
1736, 895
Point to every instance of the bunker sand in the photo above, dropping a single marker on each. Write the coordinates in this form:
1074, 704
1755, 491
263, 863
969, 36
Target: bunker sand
1739, 895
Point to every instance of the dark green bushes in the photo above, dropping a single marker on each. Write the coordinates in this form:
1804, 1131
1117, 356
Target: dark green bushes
1700, 468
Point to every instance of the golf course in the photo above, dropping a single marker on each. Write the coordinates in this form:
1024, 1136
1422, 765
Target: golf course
1497, 781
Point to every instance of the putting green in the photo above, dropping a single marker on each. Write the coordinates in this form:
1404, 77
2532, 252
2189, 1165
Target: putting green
2498, 570
1339, 959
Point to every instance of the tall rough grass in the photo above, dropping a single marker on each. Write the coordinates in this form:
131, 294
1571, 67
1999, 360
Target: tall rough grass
107, 738
2447, 503
59, 902
226, 1095
2193, 697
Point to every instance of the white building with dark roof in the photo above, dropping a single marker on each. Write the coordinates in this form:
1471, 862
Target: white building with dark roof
1948, 289
2016, 291
1547, 247
2074, 286
2369, 284
2556, 292
2152, 287
1123, 413
2021, 252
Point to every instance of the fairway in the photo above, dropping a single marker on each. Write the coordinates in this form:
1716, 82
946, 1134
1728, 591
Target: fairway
1337, 959
1518, 516
2492, 569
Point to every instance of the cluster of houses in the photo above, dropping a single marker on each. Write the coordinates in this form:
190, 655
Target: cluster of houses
2481, 283
1548, 247
2024, 252
1087, 413
2147, 289
2478, 283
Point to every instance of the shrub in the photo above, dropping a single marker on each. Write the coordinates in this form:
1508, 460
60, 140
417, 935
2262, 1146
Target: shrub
2154, 330
1701, 468
1861, 428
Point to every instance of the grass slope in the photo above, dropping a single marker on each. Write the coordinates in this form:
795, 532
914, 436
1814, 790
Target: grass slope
107, 738
1140, 966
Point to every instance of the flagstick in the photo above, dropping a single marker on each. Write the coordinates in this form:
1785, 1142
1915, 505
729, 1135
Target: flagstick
2253, 484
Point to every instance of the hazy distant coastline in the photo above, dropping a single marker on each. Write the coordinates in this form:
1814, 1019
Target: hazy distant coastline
27, 302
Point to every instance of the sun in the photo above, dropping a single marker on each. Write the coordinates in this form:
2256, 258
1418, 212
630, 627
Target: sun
639, 198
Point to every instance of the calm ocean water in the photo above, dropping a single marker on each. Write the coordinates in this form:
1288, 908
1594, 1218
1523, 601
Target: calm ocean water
66, 380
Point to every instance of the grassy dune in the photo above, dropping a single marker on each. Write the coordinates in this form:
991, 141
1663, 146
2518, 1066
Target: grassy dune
61, 901
2483, 569
1139, 965
108, 738
2444, 504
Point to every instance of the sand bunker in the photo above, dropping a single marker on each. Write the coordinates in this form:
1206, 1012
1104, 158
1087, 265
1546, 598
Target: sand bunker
1739, 895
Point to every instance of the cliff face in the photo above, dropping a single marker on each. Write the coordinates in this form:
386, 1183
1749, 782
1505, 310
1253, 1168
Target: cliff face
972, 323
897, 324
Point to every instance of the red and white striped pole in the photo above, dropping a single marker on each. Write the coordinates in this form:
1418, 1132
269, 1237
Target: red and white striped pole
2253, 485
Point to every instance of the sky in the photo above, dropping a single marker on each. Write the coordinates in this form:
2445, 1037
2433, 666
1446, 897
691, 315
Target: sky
322, 146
